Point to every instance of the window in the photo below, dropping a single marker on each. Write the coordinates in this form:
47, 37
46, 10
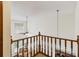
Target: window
19, 27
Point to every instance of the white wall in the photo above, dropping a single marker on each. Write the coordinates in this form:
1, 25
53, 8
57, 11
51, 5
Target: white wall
77, 19
46, 23
42, 17
68, 26
6, 28
42, 22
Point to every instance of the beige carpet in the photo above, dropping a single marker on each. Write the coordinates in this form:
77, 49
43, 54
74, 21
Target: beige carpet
40, 55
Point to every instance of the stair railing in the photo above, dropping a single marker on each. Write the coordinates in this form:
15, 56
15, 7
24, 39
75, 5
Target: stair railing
31, 46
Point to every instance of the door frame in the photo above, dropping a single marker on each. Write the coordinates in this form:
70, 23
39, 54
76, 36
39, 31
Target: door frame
1, 29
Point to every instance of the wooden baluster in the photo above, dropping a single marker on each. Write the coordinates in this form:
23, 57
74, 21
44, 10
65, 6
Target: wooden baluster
17, 47
27, 47
11, 50
48, 46
42, 43
71, 48
55, 47
65, 46
23, 47
51, 47
60, 46
30, 46
34, 45
78, 44
39, 41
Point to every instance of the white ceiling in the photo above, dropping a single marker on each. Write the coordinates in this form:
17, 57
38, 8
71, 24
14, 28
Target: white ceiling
21, 9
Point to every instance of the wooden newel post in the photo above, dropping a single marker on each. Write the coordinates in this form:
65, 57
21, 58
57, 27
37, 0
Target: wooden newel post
78, 44
39, 33
39, 41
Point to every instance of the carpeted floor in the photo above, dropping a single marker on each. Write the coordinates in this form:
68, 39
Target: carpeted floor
40, 55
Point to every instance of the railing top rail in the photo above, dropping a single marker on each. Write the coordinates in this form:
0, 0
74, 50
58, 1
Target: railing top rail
46, 36
60, 38
23, 38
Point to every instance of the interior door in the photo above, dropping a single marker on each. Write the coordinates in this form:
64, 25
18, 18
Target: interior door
1, 29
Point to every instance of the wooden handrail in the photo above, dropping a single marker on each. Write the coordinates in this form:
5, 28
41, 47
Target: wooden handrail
22, 38
60, 38
46, 36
